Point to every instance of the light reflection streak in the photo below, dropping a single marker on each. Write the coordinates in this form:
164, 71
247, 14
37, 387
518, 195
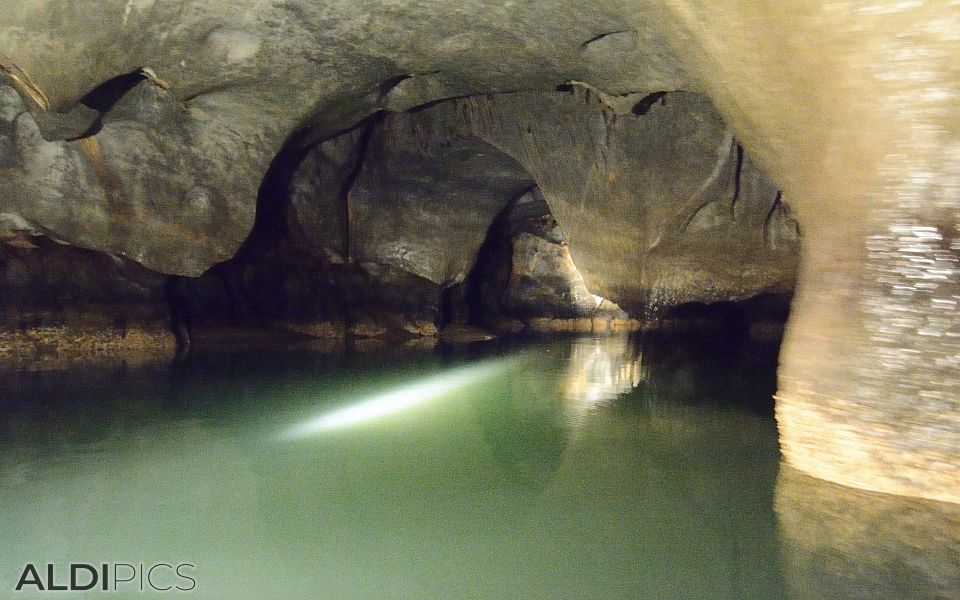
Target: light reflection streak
402, 398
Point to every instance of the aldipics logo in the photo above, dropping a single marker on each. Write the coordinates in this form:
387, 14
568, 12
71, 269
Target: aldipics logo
107, 577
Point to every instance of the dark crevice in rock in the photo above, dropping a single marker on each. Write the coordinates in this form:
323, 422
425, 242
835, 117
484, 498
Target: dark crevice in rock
777, 202
392, 82
343, 194
136, 97
455, 306
416, 90
711, 200
214, 89
783, 229
738, 171
646, 103
103, 97
76, 123
600, 36
428, 105
85, 118
476, 301
523, 277
691, 217
180, 318
270, 222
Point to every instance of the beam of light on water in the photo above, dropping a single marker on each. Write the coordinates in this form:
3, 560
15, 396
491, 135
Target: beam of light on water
402, 398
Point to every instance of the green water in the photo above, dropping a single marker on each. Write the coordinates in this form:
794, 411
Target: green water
589, 468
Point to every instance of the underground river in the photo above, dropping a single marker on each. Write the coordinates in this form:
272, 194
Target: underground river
596, 467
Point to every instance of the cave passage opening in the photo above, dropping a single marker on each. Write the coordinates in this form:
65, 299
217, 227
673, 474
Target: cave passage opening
443, 215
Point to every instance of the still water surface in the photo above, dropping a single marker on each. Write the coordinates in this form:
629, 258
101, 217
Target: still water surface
588, 468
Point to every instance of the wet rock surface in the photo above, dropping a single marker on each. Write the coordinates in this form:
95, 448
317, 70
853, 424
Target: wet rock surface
159, 184
61, 304
631, 193
524, 274
656, 209
421, 201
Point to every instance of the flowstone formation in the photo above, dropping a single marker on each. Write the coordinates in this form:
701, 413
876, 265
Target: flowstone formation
319, 159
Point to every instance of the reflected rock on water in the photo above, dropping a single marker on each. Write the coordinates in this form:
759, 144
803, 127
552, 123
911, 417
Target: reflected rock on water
845, 543
524, 425
600, 369
683, 483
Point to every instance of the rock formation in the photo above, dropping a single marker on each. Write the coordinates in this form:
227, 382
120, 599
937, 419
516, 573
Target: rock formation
293, 164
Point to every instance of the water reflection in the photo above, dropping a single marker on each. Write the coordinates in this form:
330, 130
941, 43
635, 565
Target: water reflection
601, 369
849, 544
594, 468
524, 423
529, 423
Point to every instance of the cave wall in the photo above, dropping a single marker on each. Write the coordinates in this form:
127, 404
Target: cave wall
61, 305
159, 184
388, 218
669, 193
206, 113
237, 81
418, 201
